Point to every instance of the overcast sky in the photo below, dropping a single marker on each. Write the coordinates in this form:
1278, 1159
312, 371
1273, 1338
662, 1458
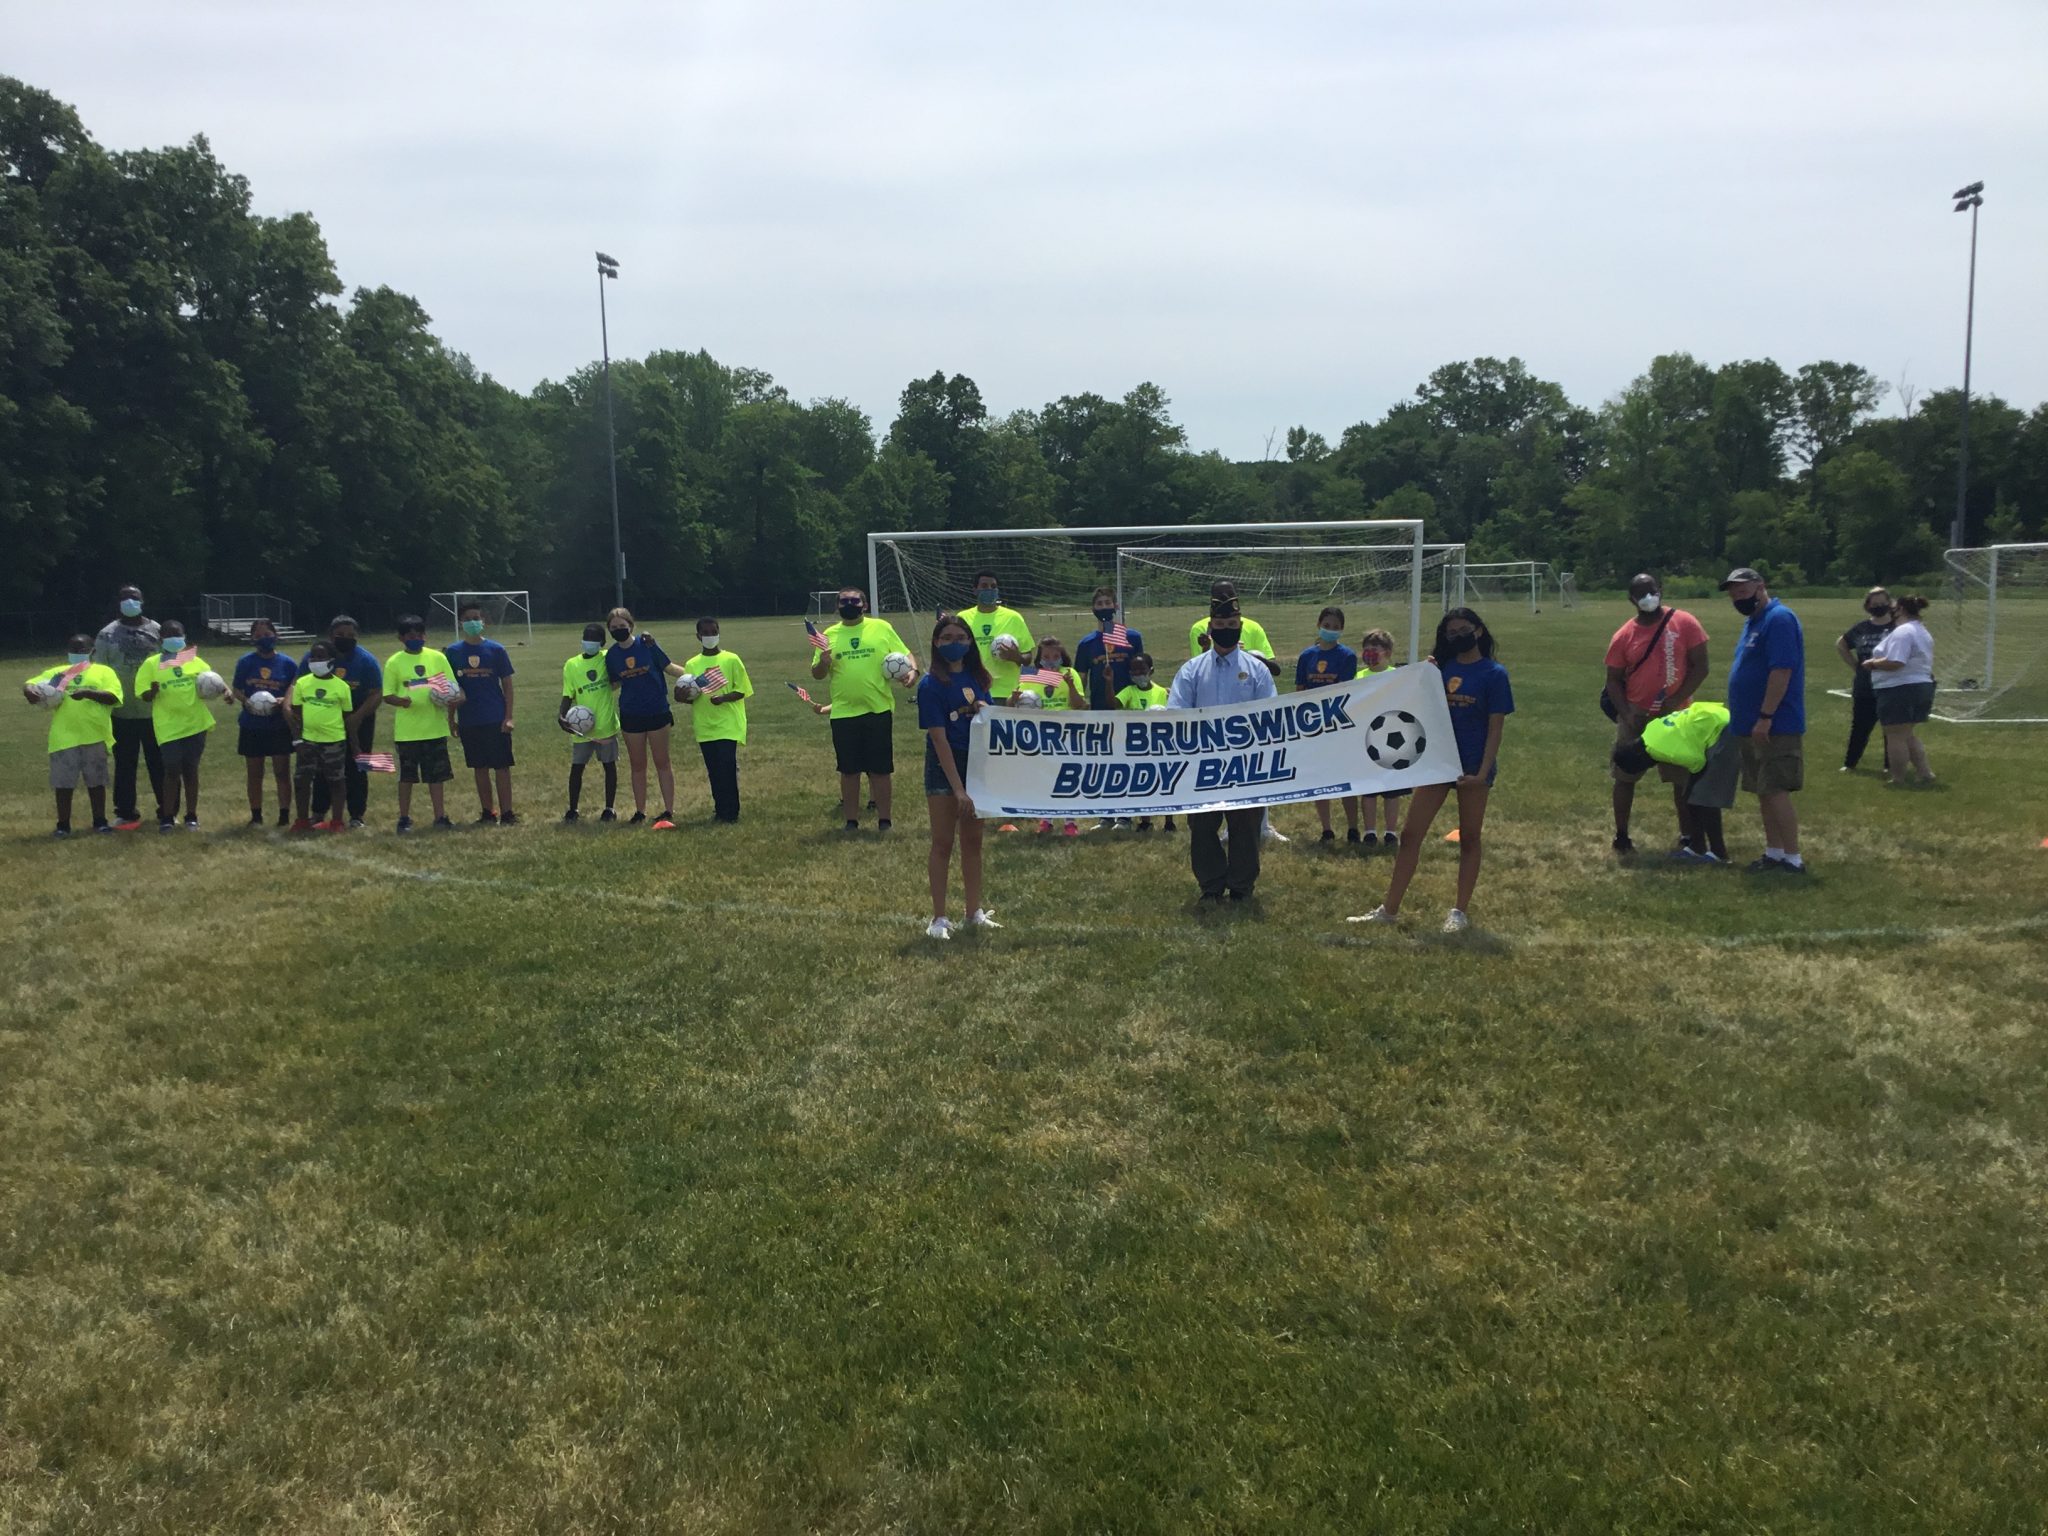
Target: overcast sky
1278, 212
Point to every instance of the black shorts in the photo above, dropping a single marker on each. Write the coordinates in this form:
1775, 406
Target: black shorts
424, 762
264, 741
486, 746
1906, 704
865, 743
640, 725
935, 775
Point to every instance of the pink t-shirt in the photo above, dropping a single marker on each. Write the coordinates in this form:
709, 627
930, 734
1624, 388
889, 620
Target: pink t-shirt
1652, 684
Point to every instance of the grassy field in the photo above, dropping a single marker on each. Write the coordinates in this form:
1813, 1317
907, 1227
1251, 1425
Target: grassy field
569, 1179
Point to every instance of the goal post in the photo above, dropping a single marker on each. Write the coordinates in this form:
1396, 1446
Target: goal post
1991, 647
824, 603
506, 612
1357, 575
1510, 581
1056, 570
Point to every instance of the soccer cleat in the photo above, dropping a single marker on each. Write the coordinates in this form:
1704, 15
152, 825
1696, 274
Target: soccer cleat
1623, 845
983, 918
1457, 922
103, 826
1371, 840
507, 819
303, 824
608, 814
191, 823
128, 824
404, 825
355, 823
61, 832
443, 824
284, 817
1330, 837
1351, 835
487, 819
636, 818
1379, 916
165, 824
570, 814
256, 818
940, 929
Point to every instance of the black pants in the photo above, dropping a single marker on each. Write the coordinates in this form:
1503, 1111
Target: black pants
132, 737
722, 768
358, 779
1215, 870
1862, 721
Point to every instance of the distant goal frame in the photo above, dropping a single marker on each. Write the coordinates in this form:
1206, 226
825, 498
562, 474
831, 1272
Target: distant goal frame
450, 604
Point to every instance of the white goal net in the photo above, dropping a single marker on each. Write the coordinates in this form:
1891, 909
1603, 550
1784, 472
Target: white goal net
1514, 581
508, 616
1051, 574
1991, 646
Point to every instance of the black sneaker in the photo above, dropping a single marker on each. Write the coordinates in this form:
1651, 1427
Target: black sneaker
1771, 866
104, 826
255, 818
853, 826
884, 824
355, 823
1623, 845
570, 814
284, 817
608, 814
1371, 840
1169, 824
487, 819
165, 824
191, 823
636, 818
442, 823
404, 825
1144, 823
507, 819
61, 832
1351, 835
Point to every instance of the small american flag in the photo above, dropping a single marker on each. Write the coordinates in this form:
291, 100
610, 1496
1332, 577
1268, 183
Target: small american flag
818, 641
1044, 675
376, 762
799, 692
1116, 637
712, 680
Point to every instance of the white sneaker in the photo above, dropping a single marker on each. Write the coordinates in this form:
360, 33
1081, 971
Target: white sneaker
940, 929
983, 918
1379, 915
1457, 922
1272, 834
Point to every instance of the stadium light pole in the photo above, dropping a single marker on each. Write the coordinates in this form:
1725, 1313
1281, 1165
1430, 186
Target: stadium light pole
608, 271
1968, 199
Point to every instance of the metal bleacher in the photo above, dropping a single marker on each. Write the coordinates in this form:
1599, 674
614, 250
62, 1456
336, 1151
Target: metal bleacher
230, 614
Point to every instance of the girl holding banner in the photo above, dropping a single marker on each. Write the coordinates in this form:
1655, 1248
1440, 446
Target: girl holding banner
952, 692
1476, 688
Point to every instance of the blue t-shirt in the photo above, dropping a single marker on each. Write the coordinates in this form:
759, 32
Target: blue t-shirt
640, 668
360, 670
1770, 639
1339, 664
257, 673
1476, 691
480, 667
1104, 683
939, 701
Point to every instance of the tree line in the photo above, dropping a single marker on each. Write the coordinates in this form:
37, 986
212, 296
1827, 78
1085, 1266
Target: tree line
186, 399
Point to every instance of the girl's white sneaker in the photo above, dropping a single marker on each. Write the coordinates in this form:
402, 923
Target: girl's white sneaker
1378, 915
983, 918
1457, 922
941, 928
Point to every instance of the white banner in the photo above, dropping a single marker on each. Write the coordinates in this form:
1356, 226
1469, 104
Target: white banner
1366, 737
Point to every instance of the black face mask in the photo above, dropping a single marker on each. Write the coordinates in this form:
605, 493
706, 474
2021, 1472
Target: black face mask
1878, 615
622, 635
344, 647
1105, 616
849, 611
1225, 639
1461, 643
1747, 605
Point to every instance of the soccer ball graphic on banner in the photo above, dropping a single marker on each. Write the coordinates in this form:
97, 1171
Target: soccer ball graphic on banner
1394, 740
580, 719
898, 668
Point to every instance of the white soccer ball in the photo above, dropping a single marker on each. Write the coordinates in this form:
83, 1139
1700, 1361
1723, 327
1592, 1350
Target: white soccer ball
1150, 707
49, 695
580, 719
1006, 647
687, 689
898, 668
444, 690
1395, 740
262, 703
1026, 699
211, 685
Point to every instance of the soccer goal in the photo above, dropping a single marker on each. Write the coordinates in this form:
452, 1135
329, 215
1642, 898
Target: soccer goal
1051, 573
1370, 582
1991, 647
1509, 581
508, 616
1567, 589
825, 604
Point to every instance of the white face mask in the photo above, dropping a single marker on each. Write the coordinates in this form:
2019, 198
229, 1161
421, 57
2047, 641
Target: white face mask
1650, 602
709, 642
321, 668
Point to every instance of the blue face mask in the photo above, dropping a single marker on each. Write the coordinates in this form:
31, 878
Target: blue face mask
415, 643
953, 650
131, 608
266, 643
76, 657
1329, 636
592, 647
473, 628
988, 597
173, 644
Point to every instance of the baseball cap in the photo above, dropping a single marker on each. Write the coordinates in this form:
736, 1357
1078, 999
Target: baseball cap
1740, 573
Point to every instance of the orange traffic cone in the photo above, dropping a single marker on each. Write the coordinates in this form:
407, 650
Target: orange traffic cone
1451, 836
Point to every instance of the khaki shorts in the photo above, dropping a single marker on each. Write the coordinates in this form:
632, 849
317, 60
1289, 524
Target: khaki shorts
81, 767
1774, 766
605, 751
1670, 773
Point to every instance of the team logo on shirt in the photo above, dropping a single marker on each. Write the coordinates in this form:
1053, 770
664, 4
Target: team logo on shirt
632, 662
475, 660
1322, 666
264, 673
967, 694
591, 674
1453, 684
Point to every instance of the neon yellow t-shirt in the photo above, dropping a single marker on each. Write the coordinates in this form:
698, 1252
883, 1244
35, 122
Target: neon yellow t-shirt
722, 722
858, 685
323, 704
80, 722
177, 711
1254, 637
408, 675
1055, 694
585, 682
985, 626
1141, 698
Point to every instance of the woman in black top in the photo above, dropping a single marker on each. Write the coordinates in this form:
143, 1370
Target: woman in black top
1856, 646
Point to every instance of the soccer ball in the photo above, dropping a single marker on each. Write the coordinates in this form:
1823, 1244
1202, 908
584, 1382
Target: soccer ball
1150, 707
1026, 699
444, 689
1394, 740
898, 668
687, 689
262, 703
580, 719
1006, 648
49, 695
210, 686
